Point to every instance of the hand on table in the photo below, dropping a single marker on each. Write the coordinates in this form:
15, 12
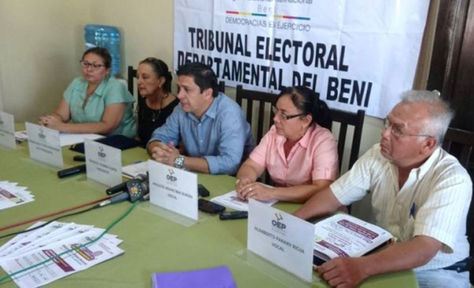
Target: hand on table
162, 153
246, 189
342, 272
51, 121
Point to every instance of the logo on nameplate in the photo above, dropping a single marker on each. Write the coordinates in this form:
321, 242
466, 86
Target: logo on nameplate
41, 134
101, 153
278, 225
170, 177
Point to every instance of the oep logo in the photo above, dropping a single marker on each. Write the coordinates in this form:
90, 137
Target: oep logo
278, 224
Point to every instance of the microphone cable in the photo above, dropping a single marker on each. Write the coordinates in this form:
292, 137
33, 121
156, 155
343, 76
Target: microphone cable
50, 215
110, 226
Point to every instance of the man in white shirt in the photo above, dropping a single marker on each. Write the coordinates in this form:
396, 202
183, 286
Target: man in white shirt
419, 193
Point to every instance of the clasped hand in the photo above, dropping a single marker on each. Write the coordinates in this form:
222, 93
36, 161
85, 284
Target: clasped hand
163, 153
247, 188
51, 121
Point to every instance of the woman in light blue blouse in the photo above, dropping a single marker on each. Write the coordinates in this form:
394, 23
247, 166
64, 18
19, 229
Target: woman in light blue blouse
96, 102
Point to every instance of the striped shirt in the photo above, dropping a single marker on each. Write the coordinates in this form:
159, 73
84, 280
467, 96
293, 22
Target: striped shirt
434, 201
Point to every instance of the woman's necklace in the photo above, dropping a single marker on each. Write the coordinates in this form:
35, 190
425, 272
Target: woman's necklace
155, 113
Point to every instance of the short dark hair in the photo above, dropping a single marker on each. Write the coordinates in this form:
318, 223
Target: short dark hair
161, 70
102, 53
308, 102
203, 75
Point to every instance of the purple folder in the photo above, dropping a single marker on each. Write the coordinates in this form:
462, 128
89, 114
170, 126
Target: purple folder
217, 277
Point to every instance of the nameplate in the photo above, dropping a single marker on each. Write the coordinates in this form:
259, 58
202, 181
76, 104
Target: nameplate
44, 145
281, 238
103, 163
173, 189
7, 130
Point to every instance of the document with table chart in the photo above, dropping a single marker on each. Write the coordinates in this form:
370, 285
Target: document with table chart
12, 195
343, 235
63, 244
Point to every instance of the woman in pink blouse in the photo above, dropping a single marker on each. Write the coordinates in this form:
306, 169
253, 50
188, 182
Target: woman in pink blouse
300, 155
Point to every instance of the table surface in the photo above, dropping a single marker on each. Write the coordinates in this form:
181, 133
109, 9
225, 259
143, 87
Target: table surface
153, 240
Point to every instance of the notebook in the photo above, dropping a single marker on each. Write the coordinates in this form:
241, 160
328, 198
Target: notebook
210, 278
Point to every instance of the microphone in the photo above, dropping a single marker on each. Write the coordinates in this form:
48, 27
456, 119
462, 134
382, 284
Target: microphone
114, 199
135, 190
117, 188
72, 171
123, 186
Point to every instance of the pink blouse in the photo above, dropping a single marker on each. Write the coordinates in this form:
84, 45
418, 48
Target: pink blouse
313, 157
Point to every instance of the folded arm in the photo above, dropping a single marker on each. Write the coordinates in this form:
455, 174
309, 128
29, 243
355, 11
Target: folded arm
111, 119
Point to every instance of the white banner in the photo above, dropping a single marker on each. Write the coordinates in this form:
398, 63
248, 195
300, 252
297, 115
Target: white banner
357, 54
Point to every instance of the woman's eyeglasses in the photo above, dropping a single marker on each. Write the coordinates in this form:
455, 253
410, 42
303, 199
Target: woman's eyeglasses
284, 116
88, 65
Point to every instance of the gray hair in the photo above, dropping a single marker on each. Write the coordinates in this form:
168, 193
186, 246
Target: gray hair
439, 111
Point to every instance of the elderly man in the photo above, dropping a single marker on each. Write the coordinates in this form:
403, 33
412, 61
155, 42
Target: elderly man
419, 192
215, 134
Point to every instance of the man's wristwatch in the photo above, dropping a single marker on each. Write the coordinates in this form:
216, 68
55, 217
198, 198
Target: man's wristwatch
179, 161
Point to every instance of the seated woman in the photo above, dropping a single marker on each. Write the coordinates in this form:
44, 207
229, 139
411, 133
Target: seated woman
300, 155
95, 102
154, 85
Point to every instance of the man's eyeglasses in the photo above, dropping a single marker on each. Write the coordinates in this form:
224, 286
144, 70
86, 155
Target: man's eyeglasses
94, 66
277, 111
397, 130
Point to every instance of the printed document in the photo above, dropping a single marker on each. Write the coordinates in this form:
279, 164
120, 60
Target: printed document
343, 235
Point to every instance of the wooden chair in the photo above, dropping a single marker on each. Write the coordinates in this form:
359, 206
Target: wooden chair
263, 102
348, 119
460, 144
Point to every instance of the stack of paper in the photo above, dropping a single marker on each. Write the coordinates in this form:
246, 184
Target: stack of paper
231, 200
21, 136
12, 195
31, 248
133, 170
343, 235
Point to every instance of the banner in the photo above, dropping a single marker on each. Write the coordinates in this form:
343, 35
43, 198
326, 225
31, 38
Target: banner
357, 54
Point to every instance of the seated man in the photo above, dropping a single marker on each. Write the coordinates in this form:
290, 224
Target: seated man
419, 193
212, 127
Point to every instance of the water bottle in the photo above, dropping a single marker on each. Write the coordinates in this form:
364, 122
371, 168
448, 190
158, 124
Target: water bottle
107, 37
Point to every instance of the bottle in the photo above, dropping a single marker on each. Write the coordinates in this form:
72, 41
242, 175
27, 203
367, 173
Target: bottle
107, 37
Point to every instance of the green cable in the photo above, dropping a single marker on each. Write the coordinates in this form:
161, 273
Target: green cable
4, 278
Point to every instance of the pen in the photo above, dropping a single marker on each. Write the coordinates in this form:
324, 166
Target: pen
412, 210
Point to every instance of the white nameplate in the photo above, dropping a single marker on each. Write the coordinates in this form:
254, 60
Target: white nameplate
44, 145
173, 189
281, 238
7, 130
103, 163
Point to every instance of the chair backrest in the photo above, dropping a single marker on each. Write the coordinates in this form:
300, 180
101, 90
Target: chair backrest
459, 143
260, 99
345, 119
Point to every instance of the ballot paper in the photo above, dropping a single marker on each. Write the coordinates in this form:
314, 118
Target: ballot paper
12, 195
231, 200
64, 244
